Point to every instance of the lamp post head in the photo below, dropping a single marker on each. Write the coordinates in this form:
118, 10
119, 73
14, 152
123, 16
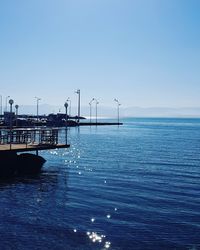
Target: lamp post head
11, 102
38, 99
66, 105
16, 106
94, 99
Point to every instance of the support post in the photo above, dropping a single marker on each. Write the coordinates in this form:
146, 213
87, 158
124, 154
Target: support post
11, 103
66, 125
79, 104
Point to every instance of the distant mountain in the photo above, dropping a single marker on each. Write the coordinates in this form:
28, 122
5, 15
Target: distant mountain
161, 112
112, 111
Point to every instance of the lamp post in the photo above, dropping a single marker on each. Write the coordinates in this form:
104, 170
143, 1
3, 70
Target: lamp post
79, 104
6, 101
90, 103
70, 105
66, 107
11, 103
16, 107
96, 107
118, 104
1, 104
37, 100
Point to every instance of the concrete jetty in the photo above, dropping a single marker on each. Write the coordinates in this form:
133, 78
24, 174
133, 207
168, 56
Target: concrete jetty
51, 120
99, 123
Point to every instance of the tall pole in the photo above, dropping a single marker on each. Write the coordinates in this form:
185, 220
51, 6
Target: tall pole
37, 100
66, 106
6, 102
11, 103
90, 103
70, 105
16, 107
96, 112
118, 104
1, 104
118, 112
96, 107
90, 111
79, 104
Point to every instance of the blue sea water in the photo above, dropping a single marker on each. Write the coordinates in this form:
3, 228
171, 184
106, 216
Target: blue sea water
135, 186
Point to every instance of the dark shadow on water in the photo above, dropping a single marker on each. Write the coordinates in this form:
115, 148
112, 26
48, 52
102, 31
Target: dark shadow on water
42, 177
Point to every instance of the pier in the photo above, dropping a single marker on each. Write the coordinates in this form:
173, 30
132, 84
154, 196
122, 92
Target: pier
30, 139
24, 140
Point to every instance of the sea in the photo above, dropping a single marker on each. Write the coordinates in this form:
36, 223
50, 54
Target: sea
135, 186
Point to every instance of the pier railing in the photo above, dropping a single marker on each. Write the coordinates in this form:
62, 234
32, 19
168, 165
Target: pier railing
43, 136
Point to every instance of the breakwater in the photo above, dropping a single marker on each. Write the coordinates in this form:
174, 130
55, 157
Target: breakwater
99, 123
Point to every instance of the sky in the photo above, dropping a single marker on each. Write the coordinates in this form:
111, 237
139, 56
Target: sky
145, 53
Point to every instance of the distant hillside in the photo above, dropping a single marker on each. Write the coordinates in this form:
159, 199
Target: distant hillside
161, 112
112, 111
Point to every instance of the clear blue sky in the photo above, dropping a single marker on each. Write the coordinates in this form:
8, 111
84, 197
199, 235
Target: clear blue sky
143, 52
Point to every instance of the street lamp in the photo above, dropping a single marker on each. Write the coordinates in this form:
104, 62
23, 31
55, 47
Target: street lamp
11, 103
90, 103
1, 104
96, 107
66, 107
70, 105
37, 100
118, 104
16, 107
79, 103
6, 101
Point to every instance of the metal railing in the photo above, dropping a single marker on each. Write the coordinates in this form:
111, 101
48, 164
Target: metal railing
39, 136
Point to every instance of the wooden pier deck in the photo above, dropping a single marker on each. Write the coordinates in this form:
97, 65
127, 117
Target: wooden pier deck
29, 147
32, 139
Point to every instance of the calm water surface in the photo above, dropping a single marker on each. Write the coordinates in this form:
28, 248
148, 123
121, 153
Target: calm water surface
131, 187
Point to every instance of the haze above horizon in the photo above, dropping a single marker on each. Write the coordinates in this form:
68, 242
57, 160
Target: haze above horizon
144, 53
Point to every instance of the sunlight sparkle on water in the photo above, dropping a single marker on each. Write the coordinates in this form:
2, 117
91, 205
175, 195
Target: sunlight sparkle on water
107, 244
94, 237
